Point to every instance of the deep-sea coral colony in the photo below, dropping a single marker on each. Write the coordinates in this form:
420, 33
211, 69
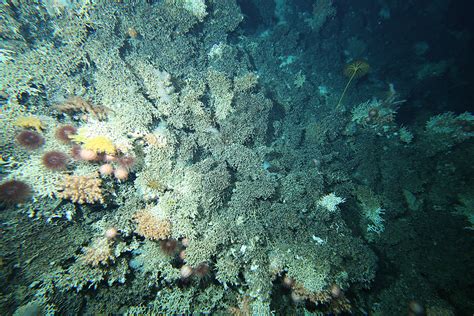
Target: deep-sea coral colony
151, 226
154, 226
81, 189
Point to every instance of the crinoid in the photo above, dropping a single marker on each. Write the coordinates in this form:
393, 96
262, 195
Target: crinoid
355, 69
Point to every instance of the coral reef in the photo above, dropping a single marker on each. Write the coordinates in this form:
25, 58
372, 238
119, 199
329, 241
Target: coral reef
214, 167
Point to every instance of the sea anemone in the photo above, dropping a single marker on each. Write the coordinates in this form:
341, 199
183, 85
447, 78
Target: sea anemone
111, 233
127, 162
186, 271
30, 140
76, 152
55, 160
64, 132
169, 246
106, 169
14, 191
121, 174
202, 271
87, 154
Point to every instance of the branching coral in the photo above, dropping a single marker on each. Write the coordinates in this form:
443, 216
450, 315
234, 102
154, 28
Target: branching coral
330, 202
151, 226
81, 189
99, 252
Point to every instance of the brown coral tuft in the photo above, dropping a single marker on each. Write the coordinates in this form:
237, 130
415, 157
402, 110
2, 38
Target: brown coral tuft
78, 104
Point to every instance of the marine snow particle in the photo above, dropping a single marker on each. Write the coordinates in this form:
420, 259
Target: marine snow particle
132, 32
14, 191
30, 140
416, 309
373, 113
185, 242
336, 291
55, 160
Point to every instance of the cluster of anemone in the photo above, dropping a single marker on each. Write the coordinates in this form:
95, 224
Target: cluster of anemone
15, 191
95, 150
53, 160
100, 149
120, 172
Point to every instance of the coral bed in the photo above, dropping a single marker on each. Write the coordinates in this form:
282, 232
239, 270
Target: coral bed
217, 195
